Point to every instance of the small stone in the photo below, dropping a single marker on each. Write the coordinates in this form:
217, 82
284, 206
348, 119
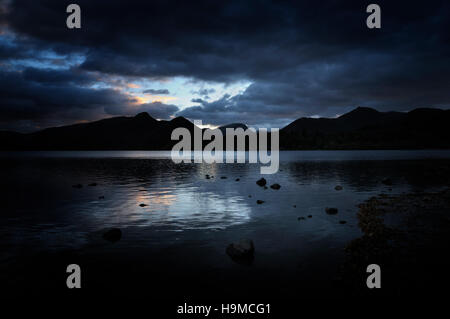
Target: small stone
261, 182
301, 218
223, 177
93, 184
342, 222
259, 201
143, 205
309, 216
275, 186
338, 188
331, 211
237, 179
295, 206
101, 197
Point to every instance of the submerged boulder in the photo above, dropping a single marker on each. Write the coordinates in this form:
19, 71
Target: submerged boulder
112, 235
259, 201
241, 250
261, 182
275, 186
143, 205
331, 210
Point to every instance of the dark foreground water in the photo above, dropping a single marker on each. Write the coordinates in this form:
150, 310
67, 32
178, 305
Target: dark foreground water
176, 243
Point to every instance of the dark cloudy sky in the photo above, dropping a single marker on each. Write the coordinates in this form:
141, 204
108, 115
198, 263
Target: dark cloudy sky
264, 63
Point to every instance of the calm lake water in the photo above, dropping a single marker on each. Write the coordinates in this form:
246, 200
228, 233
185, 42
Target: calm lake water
190, 216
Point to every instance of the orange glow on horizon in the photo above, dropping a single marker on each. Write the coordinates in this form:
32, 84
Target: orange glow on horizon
153, 98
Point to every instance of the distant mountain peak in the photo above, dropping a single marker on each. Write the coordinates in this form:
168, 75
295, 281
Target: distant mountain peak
144, 115
363, 109
181, 121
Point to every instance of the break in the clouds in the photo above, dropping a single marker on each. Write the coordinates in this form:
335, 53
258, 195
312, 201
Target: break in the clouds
296, 59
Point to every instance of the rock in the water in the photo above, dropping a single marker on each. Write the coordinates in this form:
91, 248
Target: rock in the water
143, 205
342, 222
207, 176
93, 184
259, 201
237, 179
223, 177
295, 206
77, 186
113, 235
243, 249
101, 197
331, 211
387, 181
261, 182
338, 188
301, 218
275, 186
309, 216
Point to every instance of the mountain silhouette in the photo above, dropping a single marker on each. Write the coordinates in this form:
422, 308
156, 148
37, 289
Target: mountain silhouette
141, 132
362, 128
366, 128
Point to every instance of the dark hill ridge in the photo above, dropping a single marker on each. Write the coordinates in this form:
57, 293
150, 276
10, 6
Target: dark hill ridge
366, 128
141, 132
362, 128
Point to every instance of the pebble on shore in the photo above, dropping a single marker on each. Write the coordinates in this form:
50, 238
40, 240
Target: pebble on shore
261, 182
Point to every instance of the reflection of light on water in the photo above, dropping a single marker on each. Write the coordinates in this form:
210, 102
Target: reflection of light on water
160, 198
188, 209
